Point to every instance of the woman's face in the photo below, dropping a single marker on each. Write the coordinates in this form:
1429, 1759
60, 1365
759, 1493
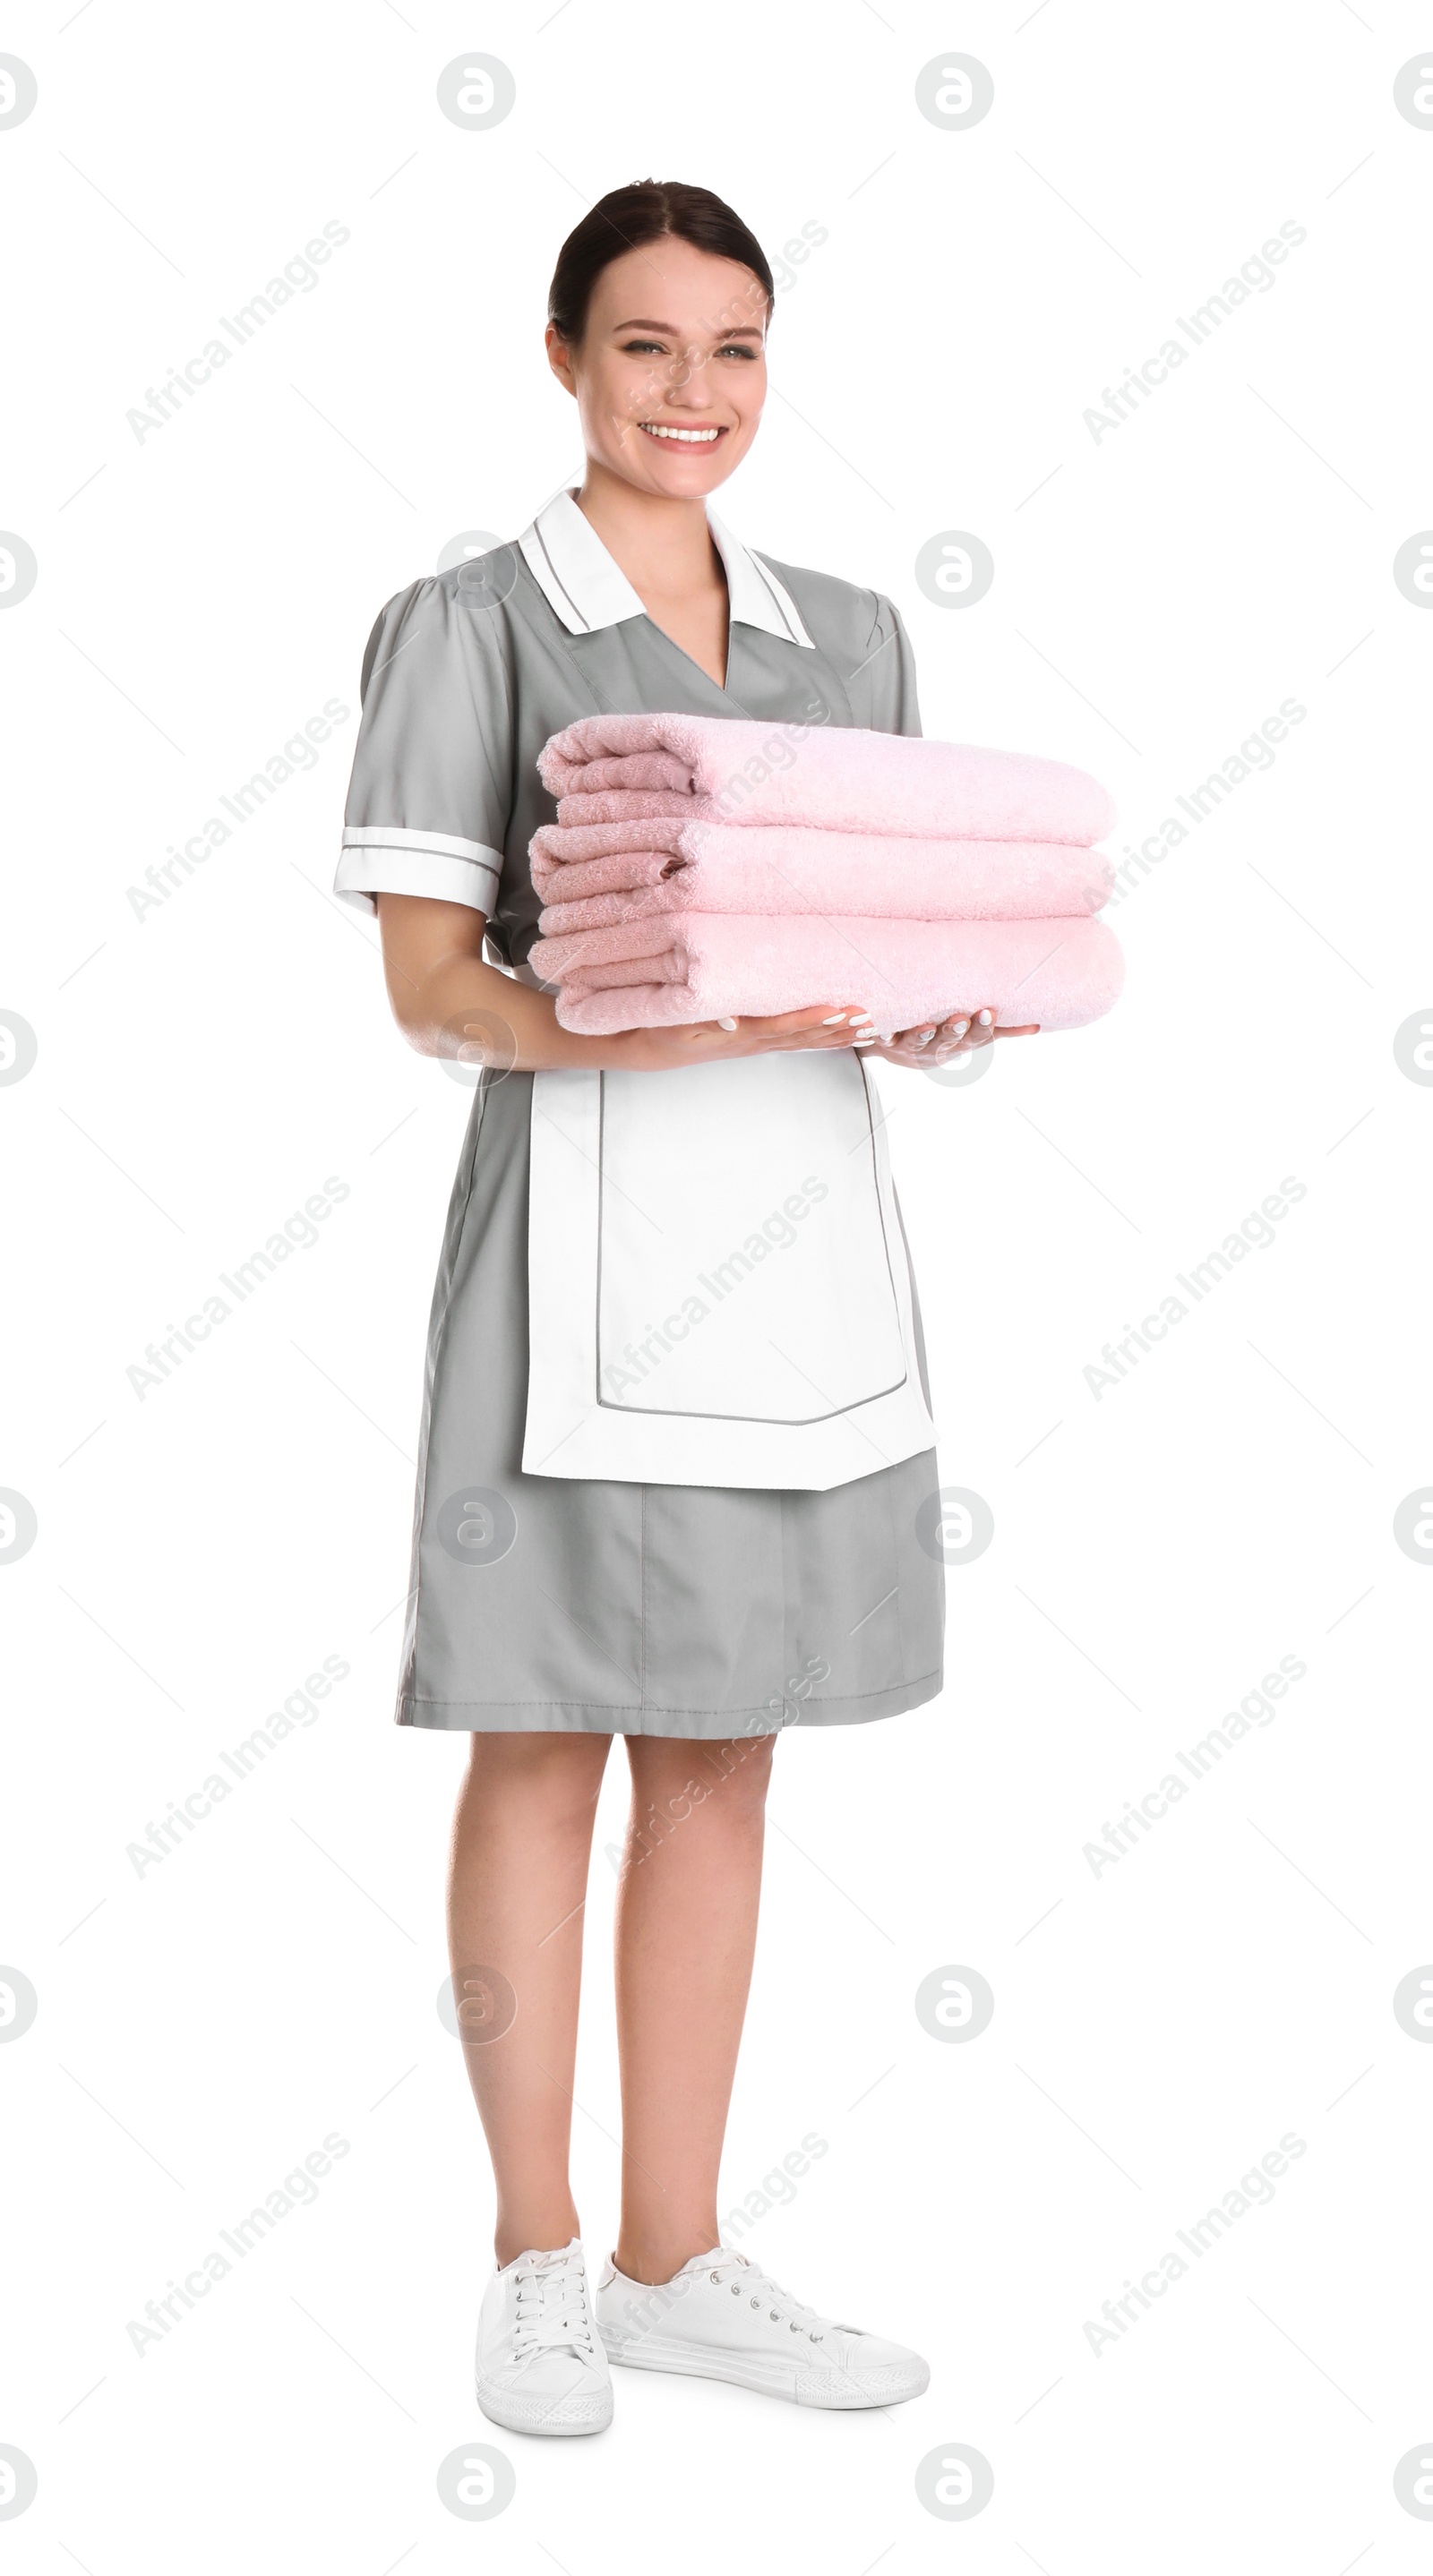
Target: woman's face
670, 376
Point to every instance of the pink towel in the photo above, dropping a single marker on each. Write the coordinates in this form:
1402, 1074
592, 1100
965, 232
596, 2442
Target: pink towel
753, 868
603, 858
703, 966
836, 777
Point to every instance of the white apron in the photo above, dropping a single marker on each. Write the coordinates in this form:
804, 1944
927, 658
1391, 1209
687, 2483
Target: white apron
718, 1286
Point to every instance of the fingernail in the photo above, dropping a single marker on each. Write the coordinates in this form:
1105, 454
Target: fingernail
959, 1028
834, 1021
726, 1024
985, 1018
925, 1037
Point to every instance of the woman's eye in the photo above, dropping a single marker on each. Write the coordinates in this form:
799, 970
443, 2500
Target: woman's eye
655, 348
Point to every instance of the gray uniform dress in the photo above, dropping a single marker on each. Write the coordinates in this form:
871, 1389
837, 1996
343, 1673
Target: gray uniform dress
609, 1607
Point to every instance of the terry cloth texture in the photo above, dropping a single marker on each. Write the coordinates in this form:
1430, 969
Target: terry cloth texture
840, 778
702, 966
609, 872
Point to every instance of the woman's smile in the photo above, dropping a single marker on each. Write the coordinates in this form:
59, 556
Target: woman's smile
668, 429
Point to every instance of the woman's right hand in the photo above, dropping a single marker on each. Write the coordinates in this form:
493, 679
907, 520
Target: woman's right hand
824, 1024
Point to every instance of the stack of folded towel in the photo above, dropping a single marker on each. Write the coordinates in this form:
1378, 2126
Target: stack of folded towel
702, 867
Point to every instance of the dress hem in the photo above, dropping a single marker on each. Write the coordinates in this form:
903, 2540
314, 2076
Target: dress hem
705, 1725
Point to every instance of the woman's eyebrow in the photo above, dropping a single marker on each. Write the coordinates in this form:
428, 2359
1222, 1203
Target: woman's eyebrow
641, 322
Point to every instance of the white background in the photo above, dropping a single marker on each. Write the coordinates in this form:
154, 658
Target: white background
204, 1068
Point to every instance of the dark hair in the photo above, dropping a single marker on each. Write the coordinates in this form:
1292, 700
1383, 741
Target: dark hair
625, 219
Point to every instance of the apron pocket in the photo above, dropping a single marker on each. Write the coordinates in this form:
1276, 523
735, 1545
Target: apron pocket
744, 1267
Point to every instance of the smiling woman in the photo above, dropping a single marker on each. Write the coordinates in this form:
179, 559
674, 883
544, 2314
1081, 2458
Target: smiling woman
626, 1526
664, 349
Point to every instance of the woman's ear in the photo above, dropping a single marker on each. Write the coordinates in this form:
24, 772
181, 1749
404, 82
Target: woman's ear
559, 358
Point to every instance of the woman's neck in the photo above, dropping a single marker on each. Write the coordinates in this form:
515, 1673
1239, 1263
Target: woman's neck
664, 546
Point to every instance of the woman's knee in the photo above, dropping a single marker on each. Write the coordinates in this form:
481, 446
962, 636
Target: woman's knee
557, 1775
724, 1779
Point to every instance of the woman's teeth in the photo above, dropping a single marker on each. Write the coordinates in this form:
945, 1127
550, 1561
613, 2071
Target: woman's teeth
687, 437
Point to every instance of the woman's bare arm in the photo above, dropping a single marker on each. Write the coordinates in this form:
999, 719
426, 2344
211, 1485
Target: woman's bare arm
438, 981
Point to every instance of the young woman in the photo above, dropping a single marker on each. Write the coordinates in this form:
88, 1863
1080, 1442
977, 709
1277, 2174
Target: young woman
691, 1538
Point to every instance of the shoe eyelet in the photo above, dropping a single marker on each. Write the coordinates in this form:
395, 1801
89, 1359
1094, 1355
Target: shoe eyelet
756, 2303
736, 2289
713, 2276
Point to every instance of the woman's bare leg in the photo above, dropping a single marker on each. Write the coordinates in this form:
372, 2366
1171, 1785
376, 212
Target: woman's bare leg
686, 1930
522, 1835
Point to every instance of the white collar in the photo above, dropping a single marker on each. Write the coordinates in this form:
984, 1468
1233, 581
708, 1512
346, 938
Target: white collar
587, 589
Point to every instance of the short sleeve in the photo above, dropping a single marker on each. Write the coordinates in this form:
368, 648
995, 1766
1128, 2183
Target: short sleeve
889, 673
431, 791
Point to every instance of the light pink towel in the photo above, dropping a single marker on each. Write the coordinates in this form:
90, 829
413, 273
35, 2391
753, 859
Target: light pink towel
836, 777
603, 858
774, 868
704, 966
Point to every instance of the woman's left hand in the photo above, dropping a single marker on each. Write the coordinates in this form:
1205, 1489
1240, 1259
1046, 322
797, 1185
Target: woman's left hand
935, 1041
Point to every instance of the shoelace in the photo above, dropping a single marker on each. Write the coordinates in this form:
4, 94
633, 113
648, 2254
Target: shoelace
550, 2307
760, 2290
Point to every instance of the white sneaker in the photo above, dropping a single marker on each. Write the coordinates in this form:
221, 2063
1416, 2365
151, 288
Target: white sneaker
722, 2318
540, 2366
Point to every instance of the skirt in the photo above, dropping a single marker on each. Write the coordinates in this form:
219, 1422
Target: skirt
549, 1603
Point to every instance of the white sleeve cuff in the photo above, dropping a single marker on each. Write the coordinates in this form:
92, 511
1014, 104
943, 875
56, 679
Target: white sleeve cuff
388, 859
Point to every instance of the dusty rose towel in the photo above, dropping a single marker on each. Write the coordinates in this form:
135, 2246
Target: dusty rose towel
701, 966
587, 879
836, 777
